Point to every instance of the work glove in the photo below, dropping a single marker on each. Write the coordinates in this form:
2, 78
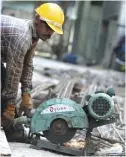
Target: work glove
8, 116
26, 105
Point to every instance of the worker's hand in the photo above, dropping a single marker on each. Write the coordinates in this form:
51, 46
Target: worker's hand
8, 116
26, 105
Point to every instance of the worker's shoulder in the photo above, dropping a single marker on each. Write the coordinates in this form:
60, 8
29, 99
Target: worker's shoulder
16, 26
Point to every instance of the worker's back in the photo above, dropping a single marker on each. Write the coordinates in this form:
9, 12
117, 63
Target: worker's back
14, 32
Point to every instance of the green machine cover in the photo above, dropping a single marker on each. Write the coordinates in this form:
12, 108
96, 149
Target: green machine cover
58, 108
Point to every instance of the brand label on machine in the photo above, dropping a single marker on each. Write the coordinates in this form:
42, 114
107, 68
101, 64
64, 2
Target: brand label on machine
57, 108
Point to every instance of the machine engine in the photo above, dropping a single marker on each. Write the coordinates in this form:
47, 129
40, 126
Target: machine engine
100, 106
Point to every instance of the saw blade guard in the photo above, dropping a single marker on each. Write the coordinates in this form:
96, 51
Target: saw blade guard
58, 108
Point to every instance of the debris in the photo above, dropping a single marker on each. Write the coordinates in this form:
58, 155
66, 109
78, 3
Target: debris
75, 144
116, 149
4, 146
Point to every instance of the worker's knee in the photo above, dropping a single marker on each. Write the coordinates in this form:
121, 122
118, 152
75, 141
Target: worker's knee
3, 105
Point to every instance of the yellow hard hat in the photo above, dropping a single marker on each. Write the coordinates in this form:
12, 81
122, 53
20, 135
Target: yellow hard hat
53, 15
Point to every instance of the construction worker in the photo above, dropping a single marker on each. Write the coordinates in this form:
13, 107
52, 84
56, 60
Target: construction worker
18, 40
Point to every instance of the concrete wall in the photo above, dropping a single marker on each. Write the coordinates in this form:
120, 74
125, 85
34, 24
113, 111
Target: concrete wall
111, 9
87, 30
93, 32
116, 28
112, 29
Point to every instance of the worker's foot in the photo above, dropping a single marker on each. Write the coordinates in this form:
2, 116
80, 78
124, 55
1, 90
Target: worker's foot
26, 105
8, 116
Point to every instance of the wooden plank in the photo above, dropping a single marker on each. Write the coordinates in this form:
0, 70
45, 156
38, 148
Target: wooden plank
4, 146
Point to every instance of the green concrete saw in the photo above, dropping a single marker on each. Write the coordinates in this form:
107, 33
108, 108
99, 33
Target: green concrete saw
59, 118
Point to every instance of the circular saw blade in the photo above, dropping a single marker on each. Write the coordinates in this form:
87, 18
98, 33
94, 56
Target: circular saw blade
59, 132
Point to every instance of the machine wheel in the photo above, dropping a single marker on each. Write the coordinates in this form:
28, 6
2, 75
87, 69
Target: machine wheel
59, 132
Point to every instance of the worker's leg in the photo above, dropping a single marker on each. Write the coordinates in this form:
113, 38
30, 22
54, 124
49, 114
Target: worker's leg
3, 76
7, 110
